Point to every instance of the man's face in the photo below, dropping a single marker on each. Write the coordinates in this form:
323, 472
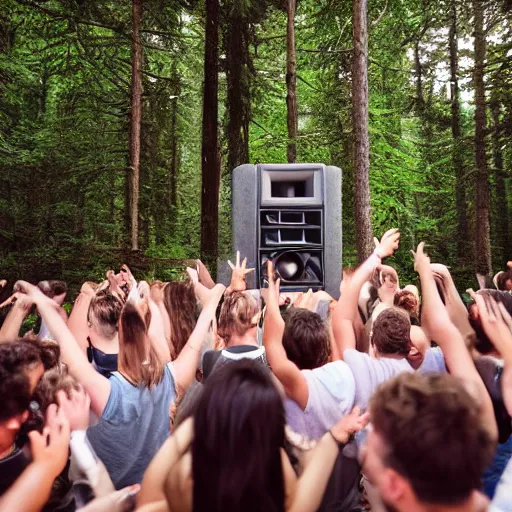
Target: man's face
9, 430
385, 480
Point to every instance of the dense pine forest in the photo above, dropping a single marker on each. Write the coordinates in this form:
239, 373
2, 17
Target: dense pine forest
121, 122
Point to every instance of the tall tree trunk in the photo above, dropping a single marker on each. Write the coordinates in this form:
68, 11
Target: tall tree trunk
482, 228
135, 120
237, 78
362, 212
502, 211
463, 246
210, 160
291, 82
173, 171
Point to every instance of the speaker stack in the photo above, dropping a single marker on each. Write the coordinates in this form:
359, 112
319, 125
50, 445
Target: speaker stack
290, 213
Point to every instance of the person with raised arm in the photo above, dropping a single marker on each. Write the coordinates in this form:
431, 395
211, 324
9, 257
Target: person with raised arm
50, 450
239, 422
436, 320
133, 403
390, 336
324, 394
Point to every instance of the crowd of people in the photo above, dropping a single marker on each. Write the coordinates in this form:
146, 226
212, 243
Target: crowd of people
190, 396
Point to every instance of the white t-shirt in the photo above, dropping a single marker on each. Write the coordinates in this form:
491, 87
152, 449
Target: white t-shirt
331, 396
369, 373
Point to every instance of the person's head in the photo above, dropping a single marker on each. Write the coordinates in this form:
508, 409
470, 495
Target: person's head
406, 300
239, 432
103, 315
238, 317
22, 364
180, 303
391, 333
428, 445
137, 358
45, 394
503, 281
54, 289
306, 339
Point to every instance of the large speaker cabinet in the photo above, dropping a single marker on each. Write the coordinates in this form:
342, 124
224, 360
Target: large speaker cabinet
292, 214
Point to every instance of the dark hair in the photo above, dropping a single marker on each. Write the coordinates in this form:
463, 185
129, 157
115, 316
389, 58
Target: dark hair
501, 280
433, 435
306, 339
180, 302
238, 435
52, 287
391, 332
105, 310
49, 350
14, 382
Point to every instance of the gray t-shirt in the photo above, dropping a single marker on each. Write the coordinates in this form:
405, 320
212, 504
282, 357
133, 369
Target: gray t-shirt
369, 373
433, 361
134, 425
331, 396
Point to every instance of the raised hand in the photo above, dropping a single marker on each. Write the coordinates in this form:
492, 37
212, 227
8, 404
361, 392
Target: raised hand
421, 259
495, 319
76, 408
350, 424
388, 243
306, 300
51, 448
238, 277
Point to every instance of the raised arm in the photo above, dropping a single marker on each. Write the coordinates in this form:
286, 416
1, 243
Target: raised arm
497, 324
292, 379
439, 326
97, 386
185, 365
345, 312
454, 305
313, 480
12, 324
77, 321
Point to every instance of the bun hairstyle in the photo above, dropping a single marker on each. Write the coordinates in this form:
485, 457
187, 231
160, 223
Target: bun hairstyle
237, 315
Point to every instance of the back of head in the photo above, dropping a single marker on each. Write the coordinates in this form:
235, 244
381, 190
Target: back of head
237, 315
406, 300
306, 339
52, 288
14, 382
503, 280
104, 312
239, 431
391, 332
180, 303
137, 358
432, 436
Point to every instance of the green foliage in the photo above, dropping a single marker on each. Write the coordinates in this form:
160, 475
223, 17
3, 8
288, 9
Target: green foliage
64, 126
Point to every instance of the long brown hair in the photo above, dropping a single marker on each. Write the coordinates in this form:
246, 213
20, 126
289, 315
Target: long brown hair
137, 358
180, 303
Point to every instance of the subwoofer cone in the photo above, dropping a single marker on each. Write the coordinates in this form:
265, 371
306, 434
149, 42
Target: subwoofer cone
289, 266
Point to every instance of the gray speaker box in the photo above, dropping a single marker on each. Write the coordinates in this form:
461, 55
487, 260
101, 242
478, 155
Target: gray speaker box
292, 214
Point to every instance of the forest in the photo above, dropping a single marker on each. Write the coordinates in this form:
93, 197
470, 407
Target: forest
122, 121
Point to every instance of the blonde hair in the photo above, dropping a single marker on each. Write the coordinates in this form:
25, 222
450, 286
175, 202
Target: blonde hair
237, 315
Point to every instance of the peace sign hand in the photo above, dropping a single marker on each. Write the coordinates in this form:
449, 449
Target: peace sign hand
238, 283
